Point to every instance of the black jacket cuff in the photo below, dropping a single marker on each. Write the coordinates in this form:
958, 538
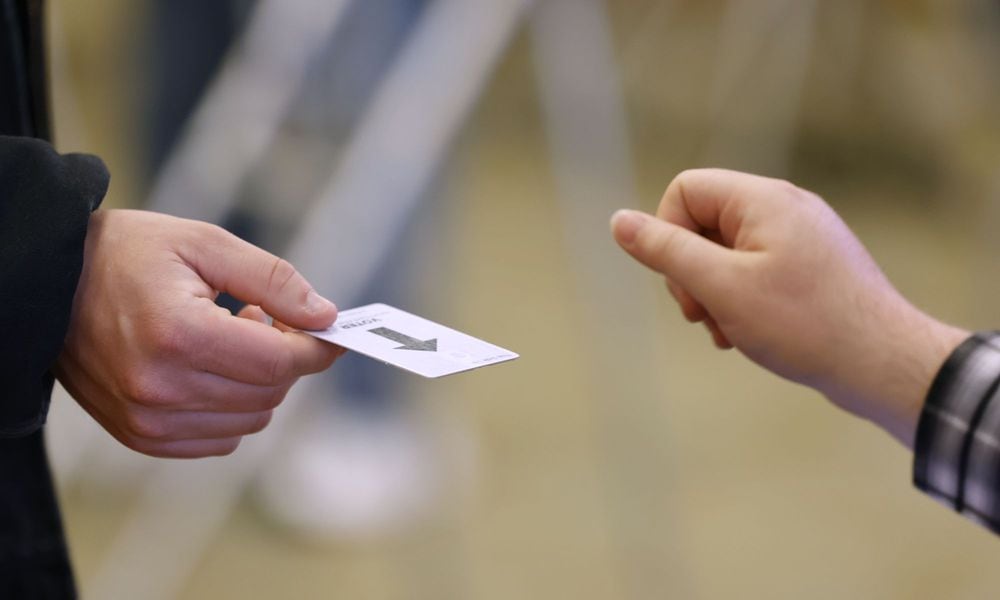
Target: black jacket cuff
45, 203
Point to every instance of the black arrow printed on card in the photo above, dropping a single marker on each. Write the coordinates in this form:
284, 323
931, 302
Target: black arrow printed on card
408, 343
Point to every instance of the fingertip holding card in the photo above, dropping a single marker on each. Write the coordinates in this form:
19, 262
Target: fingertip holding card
409, 342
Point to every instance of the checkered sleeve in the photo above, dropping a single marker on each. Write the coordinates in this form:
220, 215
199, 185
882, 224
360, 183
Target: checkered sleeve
957, 447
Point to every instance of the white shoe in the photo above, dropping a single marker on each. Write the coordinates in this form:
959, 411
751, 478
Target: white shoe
347, 474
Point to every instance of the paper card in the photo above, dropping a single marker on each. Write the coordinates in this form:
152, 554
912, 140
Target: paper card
409, 342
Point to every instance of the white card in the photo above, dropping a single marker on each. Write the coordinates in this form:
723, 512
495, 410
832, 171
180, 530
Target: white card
410, 342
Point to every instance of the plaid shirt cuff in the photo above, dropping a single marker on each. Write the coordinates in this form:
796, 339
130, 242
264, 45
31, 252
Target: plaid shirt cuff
957, 448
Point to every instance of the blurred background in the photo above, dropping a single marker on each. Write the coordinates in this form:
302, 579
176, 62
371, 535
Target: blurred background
460, 159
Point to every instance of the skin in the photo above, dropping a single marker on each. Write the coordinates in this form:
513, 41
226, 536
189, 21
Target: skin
771, 270
157, 363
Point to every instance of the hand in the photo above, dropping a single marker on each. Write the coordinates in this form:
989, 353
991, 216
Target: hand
773, 271
157, 363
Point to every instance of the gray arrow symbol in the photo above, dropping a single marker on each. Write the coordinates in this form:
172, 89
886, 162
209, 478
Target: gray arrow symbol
408, 343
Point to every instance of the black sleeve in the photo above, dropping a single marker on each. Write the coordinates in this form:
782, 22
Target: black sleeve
957, 449
45, 205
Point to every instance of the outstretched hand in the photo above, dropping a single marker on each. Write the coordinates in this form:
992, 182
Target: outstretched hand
157, 363
772, 270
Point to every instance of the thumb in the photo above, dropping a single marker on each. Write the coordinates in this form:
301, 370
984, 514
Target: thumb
255, 276
691, 261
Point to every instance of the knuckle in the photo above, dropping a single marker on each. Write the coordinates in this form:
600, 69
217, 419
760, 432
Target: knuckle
282, 272
226, 448
140, 445
150, 448
693, 313
168, 339
685, 175
145, 425
789, 191
144, 388
274, 399
675, 189
261, 421
282, 368
207, 232
685, 178
330, 356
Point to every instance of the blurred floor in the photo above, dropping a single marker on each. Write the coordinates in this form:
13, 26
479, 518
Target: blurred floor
772, 492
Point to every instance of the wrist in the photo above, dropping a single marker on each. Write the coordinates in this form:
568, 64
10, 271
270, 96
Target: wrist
882, 369
908, 360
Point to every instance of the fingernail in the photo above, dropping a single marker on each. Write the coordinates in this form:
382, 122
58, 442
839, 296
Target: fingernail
317, 304
625, 224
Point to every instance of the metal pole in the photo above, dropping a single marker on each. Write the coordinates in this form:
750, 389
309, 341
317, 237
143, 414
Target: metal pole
586, 125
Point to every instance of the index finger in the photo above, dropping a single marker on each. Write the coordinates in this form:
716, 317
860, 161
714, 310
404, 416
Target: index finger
252, 352
256, 276
716, 200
